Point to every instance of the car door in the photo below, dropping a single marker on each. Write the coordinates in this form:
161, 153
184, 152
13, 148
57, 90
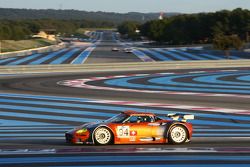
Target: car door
139, 130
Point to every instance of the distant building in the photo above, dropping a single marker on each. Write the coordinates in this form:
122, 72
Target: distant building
143, 18
161, 16
137, 31
45, 35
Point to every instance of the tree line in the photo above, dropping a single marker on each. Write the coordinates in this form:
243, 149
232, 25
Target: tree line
117, 18
194, 28
23, 29
22, 23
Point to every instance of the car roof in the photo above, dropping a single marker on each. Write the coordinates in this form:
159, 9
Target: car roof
132, 112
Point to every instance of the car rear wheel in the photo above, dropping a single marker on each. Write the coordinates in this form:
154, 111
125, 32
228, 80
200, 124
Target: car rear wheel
178, 134
103, 136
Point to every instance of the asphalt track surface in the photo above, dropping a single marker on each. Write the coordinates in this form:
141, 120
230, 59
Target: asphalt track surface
103, 52
35, 111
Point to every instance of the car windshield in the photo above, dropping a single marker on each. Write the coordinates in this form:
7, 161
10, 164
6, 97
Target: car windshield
117, 119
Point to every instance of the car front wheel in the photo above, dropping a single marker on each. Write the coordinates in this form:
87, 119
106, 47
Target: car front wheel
103, 136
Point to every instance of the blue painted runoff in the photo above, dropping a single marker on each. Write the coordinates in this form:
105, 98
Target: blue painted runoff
26, 58
169, 80
179, 57
124, 82
62, 58
244, 78
82, 57
157, 55
134, 158
46, 57
215, 79
190, 55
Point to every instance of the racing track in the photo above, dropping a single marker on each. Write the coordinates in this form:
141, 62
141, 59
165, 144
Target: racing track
36, 110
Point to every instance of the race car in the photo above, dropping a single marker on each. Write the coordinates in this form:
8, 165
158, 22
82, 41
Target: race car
115, 49
128, 50
131, 127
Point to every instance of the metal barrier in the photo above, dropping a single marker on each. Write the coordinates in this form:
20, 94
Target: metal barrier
140, 66
33, 51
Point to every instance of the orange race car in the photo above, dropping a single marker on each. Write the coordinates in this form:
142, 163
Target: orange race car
131, 127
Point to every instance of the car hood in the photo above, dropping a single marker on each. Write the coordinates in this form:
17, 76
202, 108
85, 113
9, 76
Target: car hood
91, 125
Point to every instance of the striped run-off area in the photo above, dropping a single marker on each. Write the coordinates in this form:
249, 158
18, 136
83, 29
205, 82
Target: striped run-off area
25, 117
224, 83
75, 55
181, 54
78, 55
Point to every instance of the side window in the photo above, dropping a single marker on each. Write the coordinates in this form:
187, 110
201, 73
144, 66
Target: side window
152, 119
132, 119
138, 119
147, 119
157, 119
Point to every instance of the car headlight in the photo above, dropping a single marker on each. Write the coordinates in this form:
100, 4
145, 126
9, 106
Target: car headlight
82, 131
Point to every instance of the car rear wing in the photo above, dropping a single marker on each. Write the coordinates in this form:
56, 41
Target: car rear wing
180, 117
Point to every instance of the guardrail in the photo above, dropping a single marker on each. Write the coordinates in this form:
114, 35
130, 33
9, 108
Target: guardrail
140, 66
51, 48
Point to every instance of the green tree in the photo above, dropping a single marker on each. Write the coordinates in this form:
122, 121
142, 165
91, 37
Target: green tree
225, 43
129, 28
198, 28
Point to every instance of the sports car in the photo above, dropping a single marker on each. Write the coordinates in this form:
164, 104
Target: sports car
128, 50
115, 49
131, 127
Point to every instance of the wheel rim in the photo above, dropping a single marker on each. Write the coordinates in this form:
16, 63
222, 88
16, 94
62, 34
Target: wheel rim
102, 136
178, 134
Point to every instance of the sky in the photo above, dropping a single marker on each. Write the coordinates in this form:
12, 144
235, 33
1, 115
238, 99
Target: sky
124, 6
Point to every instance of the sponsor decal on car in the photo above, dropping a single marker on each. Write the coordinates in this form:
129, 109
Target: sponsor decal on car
133, 133
132, 138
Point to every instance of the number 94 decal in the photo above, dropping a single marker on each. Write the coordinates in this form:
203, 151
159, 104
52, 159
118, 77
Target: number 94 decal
122, 131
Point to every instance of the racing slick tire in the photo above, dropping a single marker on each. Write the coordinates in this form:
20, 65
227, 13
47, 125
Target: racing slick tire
178, 134
103, 136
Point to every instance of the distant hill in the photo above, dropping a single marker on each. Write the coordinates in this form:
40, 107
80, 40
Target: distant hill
19, 14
